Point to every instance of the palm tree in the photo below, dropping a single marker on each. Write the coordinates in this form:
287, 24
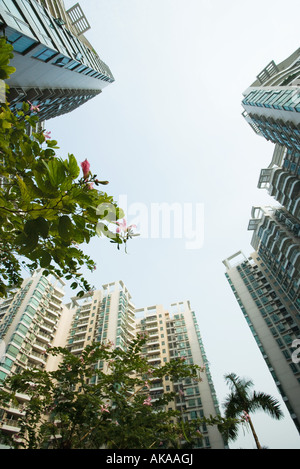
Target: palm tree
240, 402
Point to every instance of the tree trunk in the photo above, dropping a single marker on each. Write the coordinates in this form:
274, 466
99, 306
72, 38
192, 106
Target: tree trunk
254, 434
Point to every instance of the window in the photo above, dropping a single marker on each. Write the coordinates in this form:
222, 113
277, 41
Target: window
62, 61
22, 44
2, 376
45, 54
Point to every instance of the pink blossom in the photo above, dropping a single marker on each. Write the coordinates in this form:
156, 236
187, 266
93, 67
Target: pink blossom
147, 401
34, 108
47, 135
85, 165
122, 226
103, 408
147, 384
90, 186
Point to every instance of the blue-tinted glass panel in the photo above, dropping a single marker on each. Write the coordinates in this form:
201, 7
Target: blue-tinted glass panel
23, 44
13, 36
72, 65
45, 54
62, 61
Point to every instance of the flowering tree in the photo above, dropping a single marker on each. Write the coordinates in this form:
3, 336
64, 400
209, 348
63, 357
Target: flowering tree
84, 406
49, 205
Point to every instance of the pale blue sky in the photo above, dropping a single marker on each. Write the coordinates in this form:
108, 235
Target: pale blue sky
170, 130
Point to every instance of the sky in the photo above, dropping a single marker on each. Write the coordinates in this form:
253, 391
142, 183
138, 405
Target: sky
169, 130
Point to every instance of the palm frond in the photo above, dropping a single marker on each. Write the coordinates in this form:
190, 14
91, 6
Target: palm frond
267, 403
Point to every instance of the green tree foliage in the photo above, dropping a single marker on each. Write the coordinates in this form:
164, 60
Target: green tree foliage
241, 402
49, 206
83, 406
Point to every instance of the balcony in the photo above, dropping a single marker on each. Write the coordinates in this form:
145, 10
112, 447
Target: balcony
10, 426
37, 357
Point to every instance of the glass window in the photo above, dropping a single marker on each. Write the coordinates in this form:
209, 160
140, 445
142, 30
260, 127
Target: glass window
23, 44
45, 54
62, 61
2, 376
13, 36
12, 351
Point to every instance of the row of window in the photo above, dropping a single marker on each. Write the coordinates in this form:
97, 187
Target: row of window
288, 100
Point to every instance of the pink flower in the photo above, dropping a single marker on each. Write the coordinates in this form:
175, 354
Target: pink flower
34, 108
47, 135
90, 186
85, 165
147, 384
103, 408
147, 401
122, 226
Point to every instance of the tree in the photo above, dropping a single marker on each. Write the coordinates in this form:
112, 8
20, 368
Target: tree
48, 208
83, 405
240, 403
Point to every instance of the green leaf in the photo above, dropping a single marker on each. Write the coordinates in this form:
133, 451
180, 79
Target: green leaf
26, 196
45, 259
65, 227
72, 167
37, 227
43, 226
56, 172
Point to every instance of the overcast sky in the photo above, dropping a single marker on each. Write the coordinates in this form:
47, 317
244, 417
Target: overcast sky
170, 130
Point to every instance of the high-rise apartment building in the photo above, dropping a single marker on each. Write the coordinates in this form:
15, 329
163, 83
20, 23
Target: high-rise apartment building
281, 179
105, 315
276, 238
272, 319
272, 108
34, 318
29, 319
173, 335
267, 283
108, 315
56, 67
272, 103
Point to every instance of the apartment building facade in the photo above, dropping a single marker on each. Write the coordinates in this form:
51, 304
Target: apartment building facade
109, 316
272, 103
29, 319
176, 334
272, 108
272, 319
57, 69
35, 318
276, 238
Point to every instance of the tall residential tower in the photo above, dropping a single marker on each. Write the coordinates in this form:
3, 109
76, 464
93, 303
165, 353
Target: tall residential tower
273, 321
56, 67
108, 315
